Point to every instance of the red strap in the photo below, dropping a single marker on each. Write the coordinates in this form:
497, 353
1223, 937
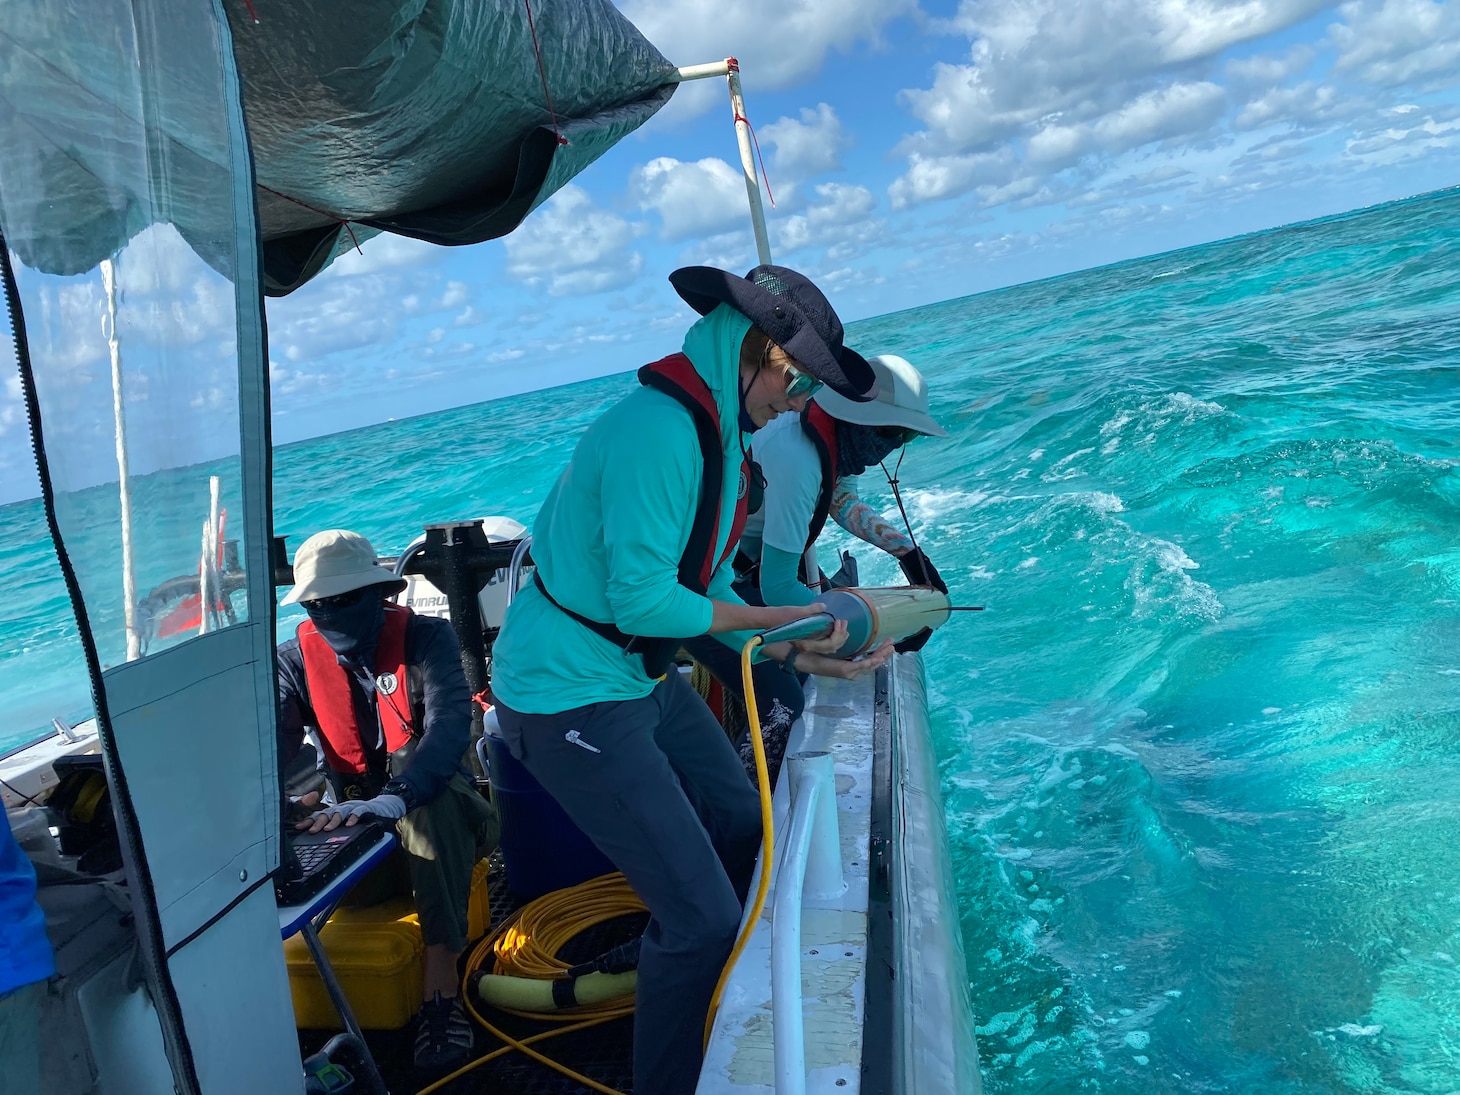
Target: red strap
763, 173
542, 72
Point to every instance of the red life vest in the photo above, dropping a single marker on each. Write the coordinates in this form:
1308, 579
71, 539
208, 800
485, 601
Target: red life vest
821, 428
677, 378
334, 708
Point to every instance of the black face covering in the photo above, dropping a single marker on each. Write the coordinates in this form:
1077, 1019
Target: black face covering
352, 632
859, 447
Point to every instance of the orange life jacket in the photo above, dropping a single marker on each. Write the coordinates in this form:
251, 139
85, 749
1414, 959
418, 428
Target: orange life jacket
677, 378
334, 708
821, 428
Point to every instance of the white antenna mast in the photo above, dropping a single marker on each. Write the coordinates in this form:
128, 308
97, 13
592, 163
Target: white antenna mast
119, 414
730, 68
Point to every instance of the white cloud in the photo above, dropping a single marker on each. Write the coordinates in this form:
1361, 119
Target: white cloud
1393, 42
931, 177
779, 42
334, 314
573, 246
1268, 70
456, 294
1051, 84
386, 251
805, 147
1178, 110
12, 404
1407, 135
692, 199
1306, 104
178, 321
841, 221
285, 380
726, 251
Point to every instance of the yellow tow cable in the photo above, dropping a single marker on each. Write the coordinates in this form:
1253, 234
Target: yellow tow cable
767, 837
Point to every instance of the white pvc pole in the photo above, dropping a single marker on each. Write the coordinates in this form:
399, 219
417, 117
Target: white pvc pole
209, 570
119, 415
747, 163
702, 72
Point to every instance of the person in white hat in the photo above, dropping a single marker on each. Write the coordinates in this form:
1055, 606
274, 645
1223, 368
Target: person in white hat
810, 464
385, 691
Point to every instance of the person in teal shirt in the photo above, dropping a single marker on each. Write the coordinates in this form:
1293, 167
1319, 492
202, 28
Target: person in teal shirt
631, 549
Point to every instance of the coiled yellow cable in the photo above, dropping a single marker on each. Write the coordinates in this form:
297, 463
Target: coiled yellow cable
526, 944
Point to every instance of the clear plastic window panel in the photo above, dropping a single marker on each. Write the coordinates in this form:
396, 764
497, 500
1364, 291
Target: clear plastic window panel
117, 205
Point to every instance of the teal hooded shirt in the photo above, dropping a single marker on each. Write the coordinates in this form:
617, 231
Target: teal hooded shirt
608, 540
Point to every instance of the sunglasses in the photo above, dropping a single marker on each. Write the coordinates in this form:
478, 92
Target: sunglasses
799, 383
339, 600
899, 434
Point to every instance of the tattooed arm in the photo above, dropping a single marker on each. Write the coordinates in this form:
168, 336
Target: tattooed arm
864, 522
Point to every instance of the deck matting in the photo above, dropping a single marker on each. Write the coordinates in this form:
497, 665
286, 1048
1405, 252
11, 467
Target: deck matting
603, 1053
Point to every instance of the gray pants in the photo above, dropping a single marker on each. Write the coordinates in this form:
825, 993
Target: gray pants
440, 844
658, 787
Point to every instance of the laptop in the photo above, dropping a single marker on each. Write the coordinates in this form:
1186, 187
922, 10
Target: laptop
311, 861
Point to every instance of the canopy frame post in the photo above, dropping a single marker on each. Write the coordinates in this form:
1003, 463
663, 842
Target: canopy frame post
730, 69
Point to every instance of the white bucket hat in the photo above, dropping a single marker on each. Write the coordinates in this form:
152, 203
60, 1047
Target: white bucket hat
902, 399
336, 561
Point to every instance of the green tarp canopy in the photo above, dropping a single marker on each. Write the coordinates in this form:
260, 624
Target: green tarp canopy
427, 118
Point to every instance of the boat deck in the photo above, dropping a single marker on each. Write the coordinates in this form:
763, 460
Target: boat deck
603, 1053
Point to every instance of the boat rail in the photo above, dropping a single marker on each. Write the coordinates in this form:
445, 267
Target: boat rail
811, 861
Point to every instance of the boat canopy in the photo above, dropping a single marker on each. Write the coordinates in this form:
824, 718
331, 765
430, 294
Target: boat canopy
445, 120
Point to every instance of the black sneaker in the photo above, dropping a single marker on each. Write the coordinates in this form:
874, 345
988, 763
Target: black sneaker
444, 1040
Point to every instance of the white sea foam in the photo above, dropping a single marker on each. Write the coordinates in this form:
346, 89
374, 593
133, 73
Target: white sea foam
1057, 470
1149, 418
1101, 502
1158, 580
929, 506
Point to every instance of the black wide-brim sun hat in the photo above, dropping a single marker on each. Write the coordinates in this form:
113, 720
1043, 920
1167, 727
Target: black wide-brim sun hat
792, 312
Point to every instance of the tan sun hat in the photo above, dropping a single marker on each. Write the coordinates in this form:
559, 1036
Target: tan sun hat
336, 561
901, 400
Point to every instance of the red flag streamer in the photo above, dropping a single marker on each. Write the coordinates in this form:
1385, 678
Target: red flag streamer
542, 72
763, 174
344, 223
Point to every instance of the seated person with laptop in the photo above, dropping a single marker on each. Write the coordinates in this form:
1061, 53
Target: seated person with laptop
385, 692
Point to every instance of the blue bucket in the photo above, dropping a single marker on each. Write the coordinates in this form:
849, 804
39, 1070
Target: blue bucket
541, 847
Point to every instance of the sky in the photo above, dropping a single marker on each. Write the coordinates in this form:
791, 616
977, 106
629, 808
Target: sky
916, 151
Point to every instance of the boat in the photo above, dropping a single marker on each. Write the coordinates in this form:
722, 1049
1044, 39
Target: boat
156, 148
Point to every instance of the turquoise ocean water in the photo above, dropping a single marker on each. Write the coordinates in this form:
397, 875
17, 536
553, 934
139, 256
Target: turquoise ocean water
1201, 754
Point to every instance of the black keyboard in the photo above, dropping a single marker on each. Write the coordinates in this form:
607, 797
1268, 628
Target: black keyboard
313, 860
